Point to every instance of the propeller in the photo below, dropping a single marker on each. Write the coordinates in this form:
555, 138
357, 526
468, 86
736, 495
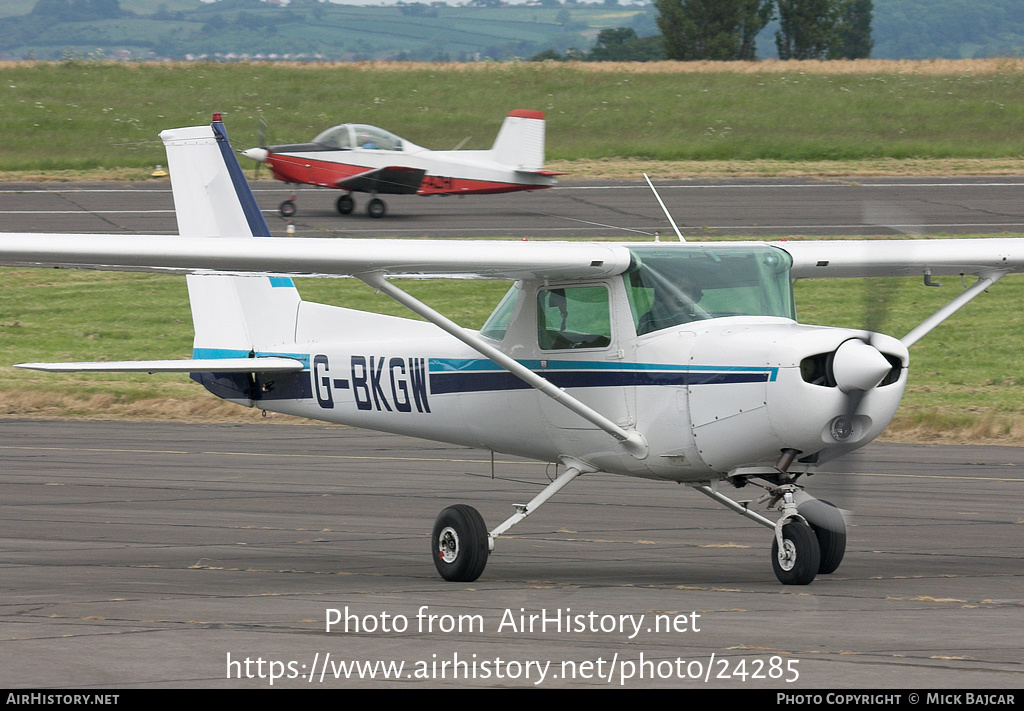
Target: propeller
261, 142
857, 365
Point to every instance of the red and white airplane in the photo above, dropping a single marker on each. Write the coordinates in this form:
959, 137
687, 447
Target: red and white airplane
359, 158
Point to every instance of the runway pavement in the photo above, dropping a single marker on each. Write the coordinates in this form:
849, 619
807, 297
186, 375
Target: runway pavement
757, 208
142, 555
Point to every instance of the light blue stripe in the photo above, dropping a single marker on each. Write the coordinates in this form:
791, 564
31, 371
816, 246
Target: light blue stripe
222, 353
448, 365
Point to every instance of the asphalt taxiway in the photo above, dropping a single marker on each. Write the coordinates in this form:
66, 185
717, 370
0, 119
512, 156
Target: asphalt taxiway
621, 209
142, 555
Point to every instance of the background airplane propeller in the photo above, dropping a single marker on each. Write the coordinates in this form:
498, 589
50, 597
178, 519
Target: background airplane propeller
261, 141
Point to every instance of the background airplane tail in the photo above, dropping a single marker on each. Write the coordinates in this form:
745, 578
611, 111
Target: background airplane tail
520, 141
233, 316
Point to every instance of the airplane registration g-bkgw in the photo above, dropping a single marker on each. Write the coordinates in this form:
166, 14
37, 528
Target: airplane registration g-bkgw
680, 362
360, 158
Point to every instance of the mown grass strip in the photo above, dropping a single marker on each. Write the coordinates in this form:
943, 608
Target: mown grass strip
83, 115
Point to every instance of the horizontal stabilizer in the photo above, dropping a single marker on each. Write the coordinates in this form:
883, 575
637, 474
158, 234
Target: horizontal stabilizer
393, 180
545, 173
193, 365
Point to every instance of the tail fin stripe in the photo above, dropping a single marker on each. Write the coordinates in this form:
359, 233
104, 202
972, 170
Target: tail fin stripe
257, 224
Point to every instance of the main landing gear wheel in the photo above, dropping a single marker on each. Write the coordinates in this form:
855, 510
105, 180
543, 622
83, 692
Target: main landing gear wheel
797, 563
458, 544
345, 204
376, 208
287, 208
830, 530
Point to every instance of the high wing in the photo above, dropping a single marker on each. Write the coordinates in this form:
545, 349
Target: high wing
486, 259
313, 256
903, 257
393, 180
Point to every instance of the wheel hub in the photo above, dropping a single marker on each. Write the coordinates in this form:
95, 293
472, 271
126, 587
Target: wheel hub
787, 555
448, 545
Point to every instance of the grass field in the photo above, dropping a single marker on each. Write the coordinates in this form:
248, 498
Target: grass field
87, 115
826, 118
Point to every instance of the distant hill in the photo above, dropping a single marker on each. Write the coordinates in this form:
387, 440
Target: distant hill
309, 30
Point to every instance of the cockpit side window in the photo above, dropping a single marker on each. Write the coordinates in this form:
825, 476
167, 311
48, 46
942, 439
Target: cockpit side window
373, 138
573, 318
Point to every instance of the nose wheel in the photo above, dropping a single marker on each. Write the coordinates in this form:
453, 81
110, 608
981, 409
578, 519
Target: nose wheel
809, 538
796, 561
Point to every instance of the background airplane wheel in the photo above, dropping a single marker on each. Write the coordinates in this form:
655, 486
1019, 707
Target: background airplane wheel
458, 544
376, 208
798, 563
345, 204
830, 530
287, 208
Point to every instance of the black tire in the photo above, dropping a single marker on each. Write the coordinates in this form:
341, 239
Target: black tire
458, 544
345, 204
376, 208
830, 530
800, 565
287, 208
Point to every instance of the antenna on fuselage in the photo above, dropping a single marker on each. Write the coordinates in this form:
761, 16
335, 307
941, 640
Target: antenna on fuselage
664, 209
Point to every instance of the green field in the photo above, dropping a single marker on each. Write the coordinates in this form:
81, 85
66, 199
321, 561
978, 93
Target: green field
87, 115
84, 115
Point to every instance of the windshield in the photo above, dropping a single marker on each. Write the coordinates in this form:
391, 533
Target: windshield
337, 137
669, 286
498, 322
358, 135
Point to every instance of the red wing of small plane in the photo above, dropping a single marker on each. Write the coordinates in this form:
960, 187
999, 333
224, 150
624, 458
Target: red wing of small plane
361, 158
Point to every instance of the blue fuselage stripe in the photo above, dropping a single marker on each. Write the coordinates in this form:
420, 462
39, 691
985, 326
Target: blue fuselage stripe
452, 375
481, 381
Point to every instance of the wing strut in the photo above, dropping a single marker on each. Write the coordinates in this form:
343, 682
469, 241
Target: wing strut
632, 440
985, 280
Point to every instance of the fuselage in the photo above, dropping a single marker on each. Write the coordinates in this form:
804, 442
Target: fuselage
349, 150
711, 392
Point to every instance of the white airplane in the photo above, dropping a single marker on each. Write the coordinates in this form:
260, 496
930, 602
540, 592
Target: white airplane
677, 362
360, 158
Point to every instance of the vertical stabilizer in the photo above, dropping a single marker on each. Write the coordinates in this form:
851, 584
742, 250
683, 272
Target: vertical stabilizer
211, 195
520, 142
233, 316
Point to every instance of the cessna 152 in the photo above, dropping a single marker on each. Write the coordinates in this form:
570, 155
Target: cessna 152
679, 362
360, 158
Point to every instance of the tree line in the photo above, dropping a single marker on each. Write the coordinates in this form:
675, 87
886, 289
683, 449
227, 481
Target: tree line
727, 30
